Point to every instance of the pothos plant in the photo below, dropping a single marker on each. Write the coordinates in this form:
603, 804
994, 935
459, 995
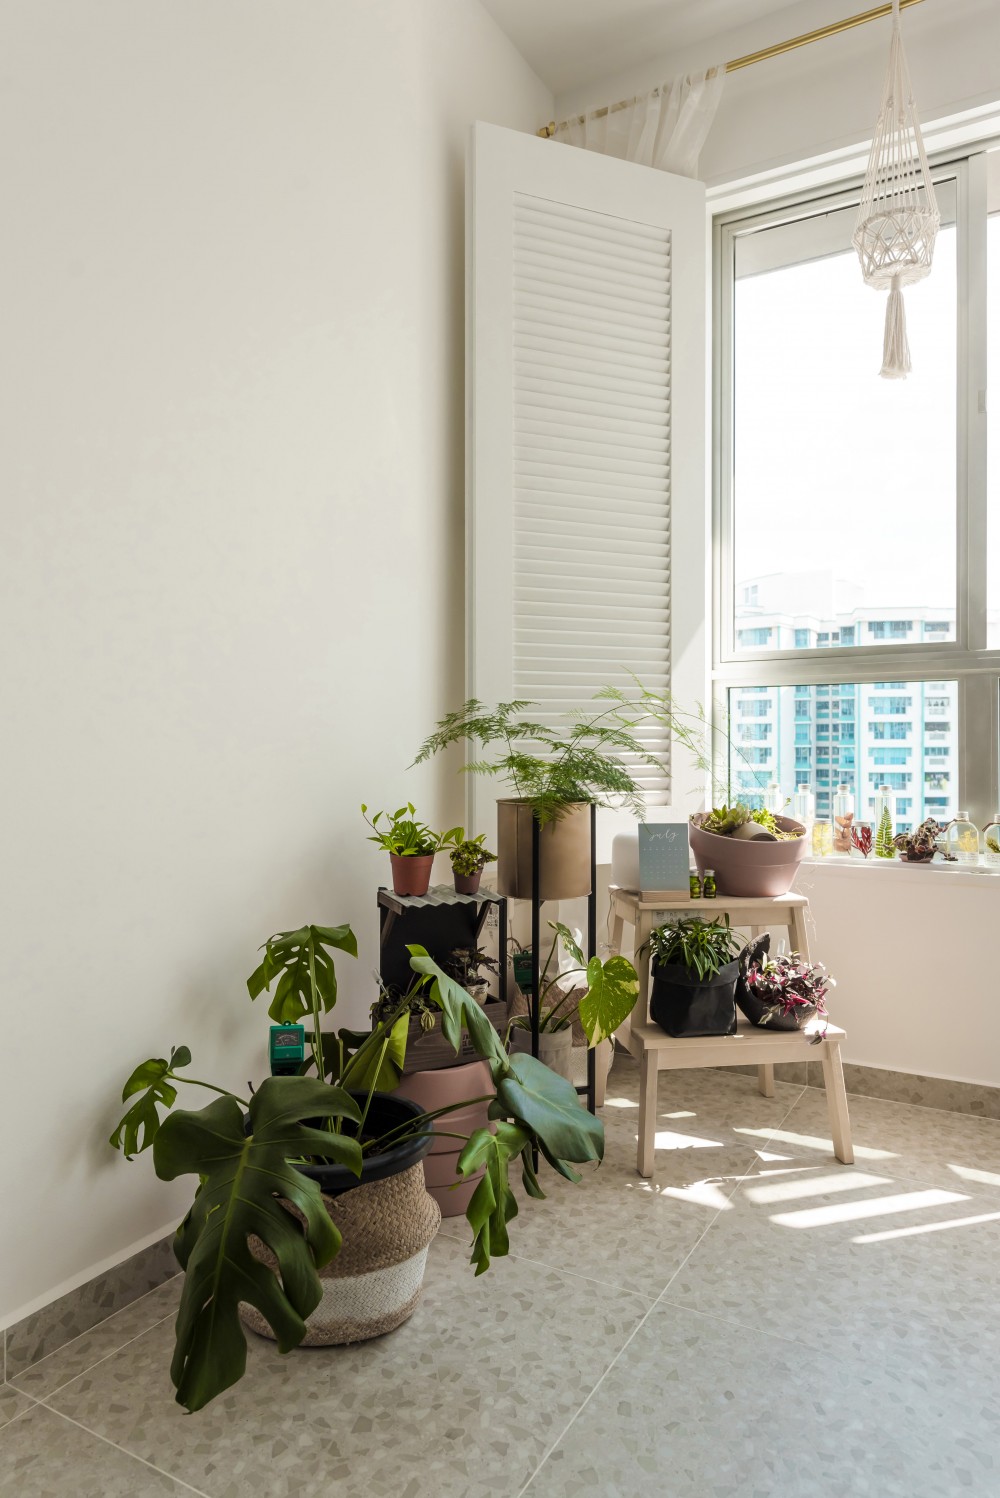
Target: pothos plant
610, 990
246, 1151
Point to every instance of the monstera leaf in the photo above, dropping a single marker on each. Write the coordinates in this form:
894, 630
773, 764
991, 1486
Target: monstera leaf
612, 989
139, 1126
299, 960
493, 1204
244, 1176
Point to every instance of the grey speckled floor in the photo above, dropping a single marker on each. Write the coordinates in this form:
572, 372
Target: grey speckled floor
756, 1321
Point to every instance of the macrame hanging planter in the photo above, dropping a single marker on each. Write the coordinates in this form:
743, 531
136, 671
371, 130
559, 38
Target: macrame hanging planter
898, 218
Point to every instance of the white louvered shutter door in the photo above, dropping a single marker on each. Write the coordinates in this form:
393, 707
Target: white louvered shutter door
587, 432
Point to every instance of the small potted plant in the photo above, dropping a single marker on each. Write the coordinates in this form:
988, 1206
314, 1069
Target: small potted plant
601, 995
784, 992
465, 965
410, 845
753, 853
695, 970
469, 858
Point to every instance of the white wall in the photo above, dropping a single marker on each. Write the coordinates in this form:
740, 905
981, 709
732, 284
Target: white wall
233, 559
825, 96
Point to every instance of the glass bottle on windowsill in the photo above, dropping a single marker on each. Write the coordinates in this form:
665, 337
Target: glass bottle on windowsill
961, 840
991, 843
884, 819
843, 818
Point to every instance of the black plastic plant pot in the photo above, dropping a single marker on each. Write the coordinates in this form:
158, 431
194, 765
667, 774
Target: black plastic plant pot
386, 1112
685, 1005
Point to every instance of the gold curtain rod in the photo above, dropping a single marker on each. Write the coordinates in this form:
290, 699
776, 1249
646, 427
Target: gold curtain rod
777, 50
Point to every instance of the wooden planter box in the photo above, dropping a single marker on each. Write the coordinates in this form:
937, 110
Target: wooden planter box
427, 1050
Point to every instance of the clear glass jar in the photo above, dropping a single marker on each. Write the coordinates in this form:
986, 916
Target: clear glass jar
961, 840
884, 818
822, 839
843, 818
774, 801
991, 843
804, 806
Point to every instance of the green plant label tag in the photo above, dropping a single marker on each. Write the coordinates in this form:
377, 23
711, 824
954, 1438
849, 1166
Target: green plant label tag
663, 856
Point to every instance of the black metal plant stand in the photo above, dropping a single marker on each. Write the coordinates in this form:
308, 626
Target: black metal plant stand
535, 1001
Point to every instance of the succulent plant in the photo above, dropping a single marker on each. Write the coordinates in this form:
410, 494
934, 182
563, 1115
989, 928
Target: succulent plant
725, 820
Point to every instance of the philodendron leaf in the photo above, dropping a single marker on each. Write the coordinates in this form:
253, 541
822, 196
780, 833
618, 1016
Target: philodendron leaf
493, 1204
244, 1179
458, 1010
569, 941
612, 989
298, 959
139, 1126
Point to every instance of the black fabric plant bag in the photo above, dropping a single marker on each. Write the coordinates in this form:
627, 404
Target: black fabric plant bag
685, 1005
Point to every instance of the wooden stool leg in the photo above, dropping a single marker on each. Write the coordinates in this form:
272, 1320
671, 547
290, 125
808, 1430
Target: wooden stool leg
836, 1101
647, 1112
600, 1075
617, 931
798, 933
765, 1079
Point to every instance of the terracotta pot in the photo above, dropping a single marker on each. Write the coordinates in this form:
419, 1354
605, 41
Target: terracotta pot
563, 852
555, 1048
411, 875
439, 1089
748, 867
467, 884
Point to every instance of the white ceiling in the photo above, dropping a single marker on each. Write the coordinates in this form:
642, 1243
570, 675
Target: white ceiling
571, 42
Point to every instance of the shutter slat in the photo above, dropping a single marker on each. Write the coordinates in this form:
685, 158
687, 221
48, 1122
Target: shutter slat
592, 455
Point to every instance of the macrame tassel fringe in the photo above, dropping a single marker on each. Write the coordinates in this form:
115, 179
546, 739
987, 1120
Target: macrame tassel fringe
895, 348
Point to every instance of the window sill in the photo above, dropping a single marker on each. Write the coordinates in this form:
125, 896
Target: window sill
893, 868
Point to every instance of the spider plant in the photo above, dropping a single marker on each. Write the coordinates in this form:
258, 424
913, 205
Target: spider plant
702, 947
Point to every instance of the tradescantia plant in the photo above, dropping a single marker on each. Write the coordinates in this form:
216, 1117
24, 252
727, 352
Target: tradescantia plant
245, 1152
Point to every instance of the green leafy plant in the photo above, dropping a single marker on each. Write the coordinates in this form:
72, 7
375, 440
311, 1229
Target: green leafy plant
725, 820
612, 987
549, 768
884, 845
703, 947
470, 855
403, 835
246, 1154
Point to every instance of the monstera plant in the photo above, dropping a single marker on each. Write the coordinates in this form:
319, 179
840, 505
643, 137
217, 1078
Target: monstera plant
250, 1154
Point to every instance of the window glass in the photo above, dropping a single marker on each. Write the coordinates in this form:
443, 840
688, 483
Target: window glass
858, 734
844, 510
993, 405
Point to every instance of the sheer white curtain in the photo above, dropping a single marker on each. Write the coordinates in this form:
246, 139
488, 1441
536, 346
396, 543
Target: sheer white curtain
665, 128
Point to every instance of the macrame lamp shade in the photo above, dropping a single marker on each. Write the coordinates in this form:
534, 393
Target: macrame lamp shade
898, 218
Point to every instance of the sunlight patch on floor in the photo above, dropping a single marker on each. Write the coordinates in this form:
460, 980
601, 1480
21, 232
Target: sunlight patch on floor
702, 1194
813, 1185
969, 1173
619, 1102
813, 1141
666, 1140
883, 1206
928, 1227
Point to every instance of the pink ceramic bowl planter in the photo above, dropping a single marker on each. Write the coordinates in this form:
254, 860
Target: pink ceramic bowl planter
749, 867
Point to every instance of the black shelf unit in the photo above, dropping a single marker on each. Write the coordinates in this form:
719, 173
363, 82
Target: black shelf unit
439, 920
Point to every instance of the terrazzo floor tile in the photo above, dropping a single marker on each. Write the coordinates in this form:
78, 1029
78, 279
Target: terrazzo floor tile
45, 1456
698, 1408
854, 1260
12, 1403
105, 1338
947, 1149
463, 1399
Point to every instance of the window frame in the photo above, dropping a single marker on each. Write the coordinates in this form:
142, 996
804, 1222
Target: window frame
966, 659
